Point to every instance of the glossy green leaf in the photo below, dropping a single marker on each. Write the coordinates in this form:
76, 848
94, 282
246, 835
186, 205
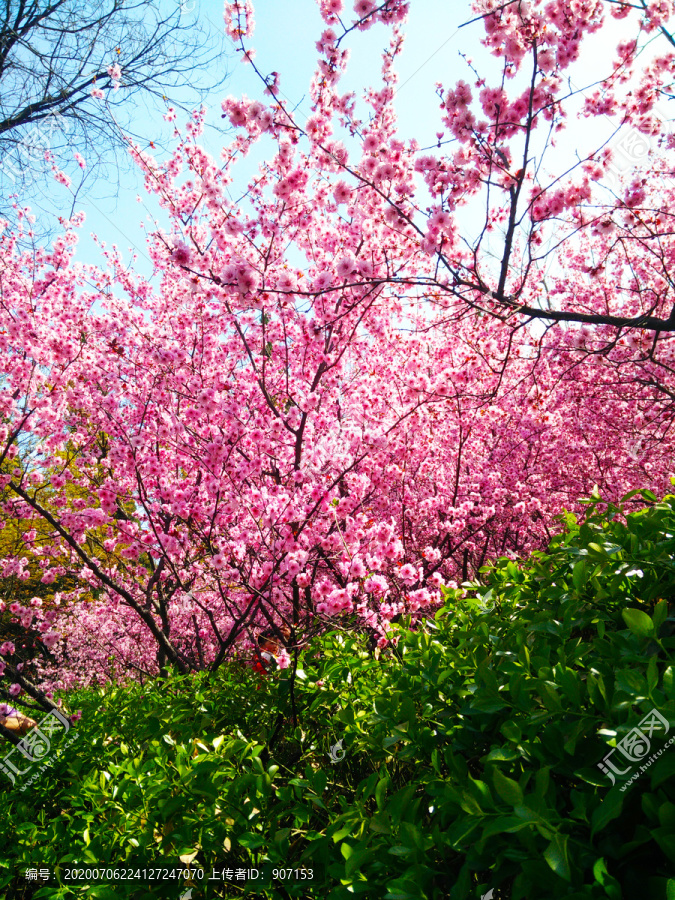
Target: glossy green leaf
638, 622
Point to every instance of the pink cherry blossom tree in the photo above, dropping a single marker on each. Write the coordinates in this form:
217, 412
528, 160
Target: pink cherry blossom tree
327, 402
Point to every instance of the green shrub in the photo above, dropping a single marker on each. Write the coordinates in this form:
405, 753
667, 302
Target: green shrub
471, 748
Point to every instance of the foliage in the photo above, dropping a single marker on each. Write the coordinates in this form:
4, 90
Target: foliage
30, 601
471, 745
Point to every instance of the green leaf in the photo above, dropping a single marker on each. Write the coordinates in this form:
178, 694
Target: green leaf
660, 613
470, 805
610, 884
556, 856
511, 731
579, 575
505, 824
663, 769
380, 791
508, 789
631, 683
638, 621
609, 809
343, 832
503, 754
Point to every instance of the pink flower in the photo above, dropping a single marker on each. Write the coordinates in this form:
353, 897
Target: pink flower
369, 166
181, 254
115, 74
440, 220
363, 8
237, 114
50, 639
376, 584
408, 574
346, 266
331, 8
14, 690
357, 569
7, 649
342, 192
63, 179
322, 281
286, 282
371, 143
385, 172
239, 19
431, 554
247, 279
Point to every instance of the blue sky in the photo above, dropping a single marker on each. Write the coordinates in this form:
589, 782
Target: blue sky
284, 41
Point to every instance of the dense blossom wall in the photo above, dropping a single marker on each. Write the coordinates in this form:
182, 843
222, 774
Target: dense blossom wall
325, 401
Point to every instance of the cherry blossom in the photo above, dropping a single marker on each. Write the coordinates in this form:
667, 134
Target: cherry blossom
329, 401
